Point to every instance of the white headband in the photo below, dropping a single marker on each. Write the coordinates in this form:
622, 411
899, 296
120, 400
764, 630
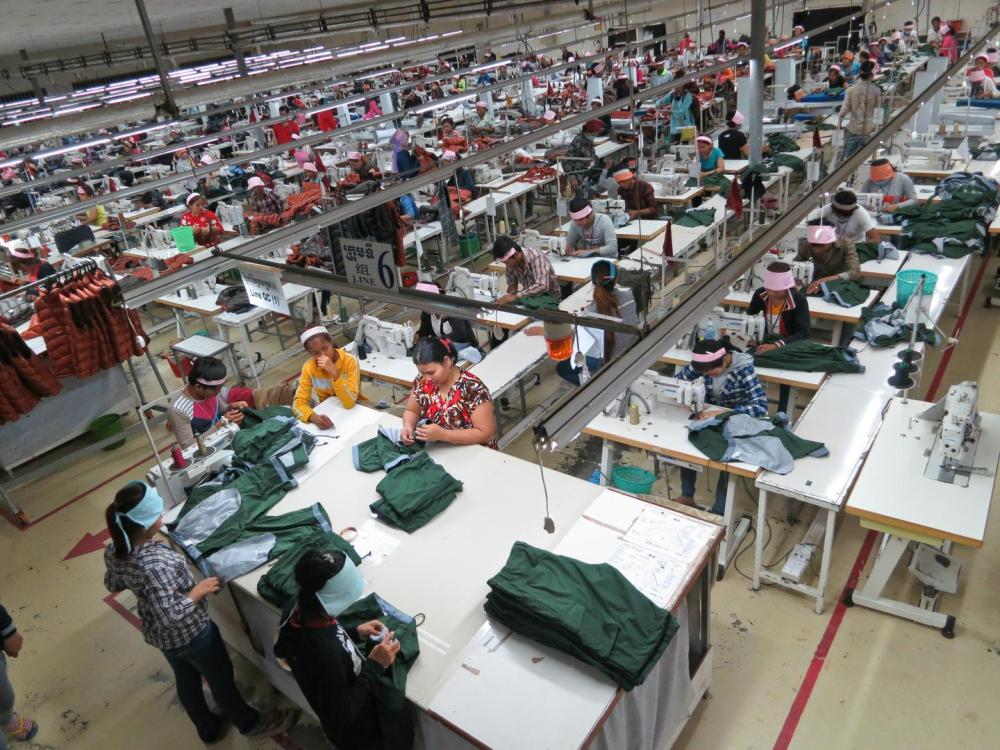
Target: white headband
583, 213
20, 251
310, 332
210, 383
191, 198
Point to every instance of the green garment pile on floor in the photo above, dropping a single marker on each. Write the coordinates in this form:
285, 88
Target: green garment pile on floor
538, 302
843, 292
780, 143
716, 181
414, 492
390, 693
696, 217
589, 611
711, 441
278, 584
810, 356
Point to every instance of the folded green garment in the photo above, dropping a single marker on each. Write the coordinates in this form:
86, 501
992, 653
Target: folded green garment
713, 443
543, 301
414, 492
844, 292
381, 452
696, 217
588, 611
716, 181
794, 163
275, 432
779, 142
278, 584
866, 251
946, 247
810, 356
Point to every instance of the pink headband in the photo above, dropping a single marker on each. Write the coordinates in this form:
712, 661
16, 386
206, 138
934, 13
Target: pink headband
509, 255
583, 213
426, 286
779, 280
18, 252
210, 383
704, 139
708, 356
821, 234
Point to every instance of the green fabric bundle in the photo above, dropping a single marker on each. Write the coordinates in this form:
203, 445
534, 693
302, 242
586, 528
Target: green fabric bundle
278, 584
779, 143
414, 492
866, 251
588, 611
711, 441
544, 301
280, 435
381, 451
810, 356
696, 217
717, 181
844, 292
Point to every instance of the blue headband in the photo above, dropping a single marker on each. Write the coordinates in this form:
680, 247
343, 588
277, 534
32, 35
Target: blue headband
608, 282
146, 512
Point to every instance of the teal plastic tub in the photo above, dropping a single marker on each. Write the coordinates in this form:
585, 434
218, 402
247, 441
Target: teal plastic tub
907, 281
633, 479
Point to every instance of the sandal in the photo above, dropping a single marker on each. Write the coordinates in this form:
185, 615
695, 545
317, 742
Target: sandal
21, 728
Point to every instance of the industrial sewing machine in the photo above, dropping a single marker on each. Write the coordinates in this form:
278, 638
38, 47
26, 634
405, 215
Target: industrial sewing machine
803, 270
685, 153
543, 242
926, 156
613, 207
205, 457
870, 201
487, 172
665, 185
739, 326
484, 287
951, 459
652, 388
156, 239
391, 339
230, 214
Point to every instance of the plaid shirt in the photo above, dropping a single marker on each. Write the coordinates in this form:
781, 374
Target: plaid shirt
535, 276
266, 202
738, 388
160, 580
639, 197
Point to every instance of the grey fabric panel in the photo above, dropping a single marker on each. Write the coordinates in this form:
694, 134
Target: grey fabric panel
210, 513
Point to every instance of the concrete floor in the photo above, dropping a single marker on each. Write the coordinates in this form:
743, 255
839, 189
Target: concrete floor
90, 681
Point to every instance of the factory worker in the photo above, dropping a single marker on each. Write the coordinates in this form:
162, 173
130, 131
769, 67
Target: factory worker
850, 65
910, 35
262, 199
206, 225
590, 233
529, 272
462, 178
310, 173
835, 78
404, 163
447, 404
328, 372
360, 166
25, 260
640, 200
833, 258
481, 123
731, 384
983, 64
710, 158
848, 218
785, 308
949, 45
981, 85
732, 141
174, 617
935, 34
457, 330
896, 188
97, 216
450, 138
325, 658
861, 106
283, 131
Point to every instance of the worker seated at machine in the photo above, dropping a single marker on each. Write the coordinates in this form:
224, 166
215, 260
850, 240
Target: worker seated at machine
206, 403
731, 384
329, 371
833, 258
456, 330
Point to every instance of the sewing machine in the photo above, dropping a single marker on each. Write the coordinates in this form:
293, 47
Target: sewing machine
230, 214
951, 458
653, 388
488, 172
685, 153
915, 157
613, 207
156, 239
870, 201
391, 339
665, 185
484, 287
205, 457
739, 326
803, 270
543, 242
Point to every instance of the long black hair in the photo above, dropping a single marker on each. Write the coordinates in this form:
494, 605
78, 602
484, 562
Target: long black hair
432, 350
126, 498
312, 571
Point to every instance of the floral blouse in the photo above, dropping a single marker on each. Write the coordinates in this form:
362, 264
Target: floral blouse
452, 410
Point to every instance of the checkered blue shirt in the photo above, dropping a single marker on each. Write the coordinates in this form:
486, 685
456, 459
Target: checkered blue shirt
738, 389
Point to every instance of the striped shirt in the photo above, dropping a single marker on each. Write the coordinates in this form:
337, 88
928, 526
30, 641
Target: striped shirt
738, 388
161, 581
188, 417
266, 202
535, 276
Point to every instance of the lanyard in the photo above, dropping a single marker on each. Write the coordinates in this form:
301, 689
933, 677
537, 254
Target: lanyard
772, 322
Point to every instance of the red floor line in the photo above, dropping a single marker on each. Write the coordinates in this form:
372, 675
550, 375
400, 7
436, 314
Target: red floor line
124, 611
819, 658
823, 649
959, 324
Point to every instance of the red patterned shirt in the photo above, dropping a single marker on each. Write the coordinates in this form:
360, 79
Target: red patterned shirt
452, 410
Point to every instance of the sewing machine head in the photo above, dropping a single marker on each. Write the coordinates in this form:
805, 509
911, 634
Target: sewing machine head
479, 286
738, 326
685, 153
655, 389
613, 207
952, 457
870, 201
156, 239
391, 339
176, 482
667, 184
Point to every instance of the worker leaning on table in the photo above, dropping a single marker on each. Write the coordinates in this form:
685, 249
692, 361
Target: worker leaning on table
328, 372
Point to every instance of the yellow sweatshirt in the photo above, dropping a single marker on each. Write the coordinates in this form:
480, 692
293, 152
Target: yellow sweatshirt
347, 387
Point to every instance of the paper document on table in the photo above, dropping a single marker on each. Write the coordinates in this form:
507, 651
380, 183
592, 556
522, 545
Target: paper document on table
589, 342
373, 544
657, 576
669, 533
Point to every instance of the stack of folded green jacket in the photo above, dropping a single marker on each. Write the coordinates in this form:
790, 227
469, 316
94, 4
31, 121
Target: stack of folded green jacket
716, 181
810, 356
843, 292
696, 217
588, 611
539, 302
278, 584
779, 142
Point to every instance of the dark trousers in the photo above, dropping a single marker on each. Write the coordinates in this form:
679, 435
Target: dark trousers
571, 374
206, 656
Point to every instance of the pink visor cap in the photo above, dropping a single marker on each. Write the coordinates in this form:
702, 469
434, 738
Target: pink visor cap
822, 234
778, 280
583, 213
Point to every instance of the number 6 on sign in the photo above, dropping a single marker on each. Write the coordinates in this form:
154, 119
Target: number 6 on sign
370, 264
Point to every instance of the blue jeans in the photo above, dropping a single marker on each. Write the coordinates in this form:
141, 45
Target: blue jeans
206, 656
852, 142
690, 476
6, 701
571, 374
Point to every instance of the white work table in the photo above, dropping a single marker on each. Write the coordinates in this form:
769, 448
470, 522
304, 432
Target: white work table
846, 420
885, 269
819, 309
894, 497
441, 571
377, 366
568, 268
637, 229
810, 381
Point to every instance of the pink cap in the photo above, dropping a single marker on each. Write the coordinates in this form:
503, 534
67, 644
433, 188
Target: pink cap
206, 159
255, 182
583, 213
837, 68
426, 286
482, 103
19, 250
354, 155
709, 356
309, 167
778, 280
976, 75
704, 139
822, 234
737, 118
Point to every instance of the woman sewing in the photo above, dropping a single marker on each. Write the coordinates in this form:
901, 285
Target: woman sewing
206, 225
446, 403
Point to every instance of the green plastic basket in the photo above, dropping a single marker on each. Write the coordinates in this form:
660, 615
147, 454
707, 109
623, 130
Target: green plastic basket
105, 427
183, 238
632, 479
907, 281
468, 245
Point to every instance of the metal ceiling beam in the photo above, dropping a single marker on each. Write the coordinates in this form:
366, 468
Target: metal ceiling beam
161, 69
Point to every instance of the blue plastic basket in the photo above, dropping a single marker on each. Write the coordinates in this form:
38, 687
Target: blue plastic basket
633, 479
907, 281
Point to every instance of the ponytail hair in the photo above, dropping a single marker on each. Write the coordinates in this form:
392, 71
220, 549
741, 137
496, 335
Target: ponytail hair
432, 350
603, 274
119, 525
